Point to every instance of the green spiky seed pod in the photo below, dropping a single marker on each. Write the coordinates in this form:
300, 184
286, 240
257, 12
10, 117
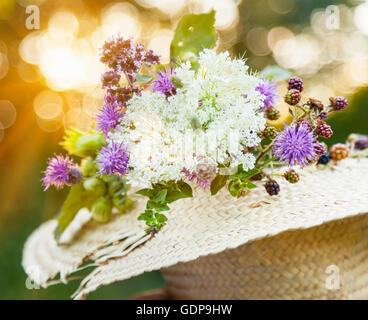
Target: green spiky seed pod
291, 176
95, 186
272, 114
269, 133
89, 168
88, 145
101, 210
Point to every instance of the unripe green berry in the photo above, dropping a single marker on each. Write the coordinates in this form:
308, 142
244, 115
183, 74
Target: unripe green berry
291, 176
272, 114
89, 168
270, 133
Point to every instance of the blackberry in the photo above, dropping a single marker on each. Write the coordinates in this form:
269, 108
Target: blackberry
272, 187
324, 159
302, 122
315, 104
322, 116
293, 97
324, 130
361, 143
339, 151
269, 133
320, 149
339, 103
291, 176
272, 113
295, 83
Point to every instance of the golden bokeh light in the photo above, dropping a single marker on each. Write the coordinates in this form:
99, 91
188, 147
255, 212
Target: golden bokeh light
277, 34
4, 65
120, 18
28, 72
257, 41
92, 102
160, 43
1, 132
8, 114
49, 111
30, 47
63, 26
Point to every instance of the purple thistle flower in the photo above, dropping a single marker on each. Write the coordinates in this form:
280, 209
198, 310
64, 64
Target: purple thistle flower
163, 83
61, 171
268, 89
295, 145
192, 176
110, 115
114, 159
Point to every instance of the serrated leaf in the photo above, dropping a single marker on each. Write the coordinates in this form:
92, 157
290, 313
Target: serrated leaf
143, 78
194, 33
218, 183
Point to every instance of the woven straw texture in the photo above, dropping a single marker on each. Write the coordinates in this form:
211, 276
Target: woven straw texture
206, 225
329, 261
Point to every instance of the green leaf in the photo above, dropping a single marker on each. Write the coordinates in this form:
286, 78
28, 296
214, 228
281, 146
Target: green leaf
143, 78
194, 33
249, 184
161, 217
185, 188
245, 174
157, 206
160, 196
77, 199
146, 192
218, 183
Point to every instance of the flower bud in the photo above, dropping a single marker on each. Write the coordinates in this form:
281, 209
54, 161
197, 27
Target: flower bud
101, 210
89, 168
95, 185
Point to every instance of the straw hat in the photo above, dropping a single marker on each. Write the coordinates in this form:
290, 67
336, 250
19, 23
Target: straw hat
200, 226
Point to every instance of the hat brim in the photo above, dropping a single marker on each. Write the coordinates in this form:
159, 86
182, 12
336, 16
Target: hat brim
201, 225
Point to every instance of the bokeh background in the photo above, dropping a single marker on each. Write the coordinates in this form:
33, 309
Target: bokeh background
49, 81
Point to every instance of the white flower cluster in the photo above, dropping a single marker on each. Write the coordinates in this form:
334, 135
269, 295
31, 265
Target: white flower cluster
214, 116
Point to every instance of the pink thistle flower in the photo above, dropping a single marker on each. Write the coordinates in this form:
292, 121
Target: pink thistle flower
61, 171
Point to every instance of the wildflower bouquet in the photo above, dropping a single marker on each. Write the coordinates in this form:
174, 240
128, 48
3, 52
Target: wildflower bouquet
202, 120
